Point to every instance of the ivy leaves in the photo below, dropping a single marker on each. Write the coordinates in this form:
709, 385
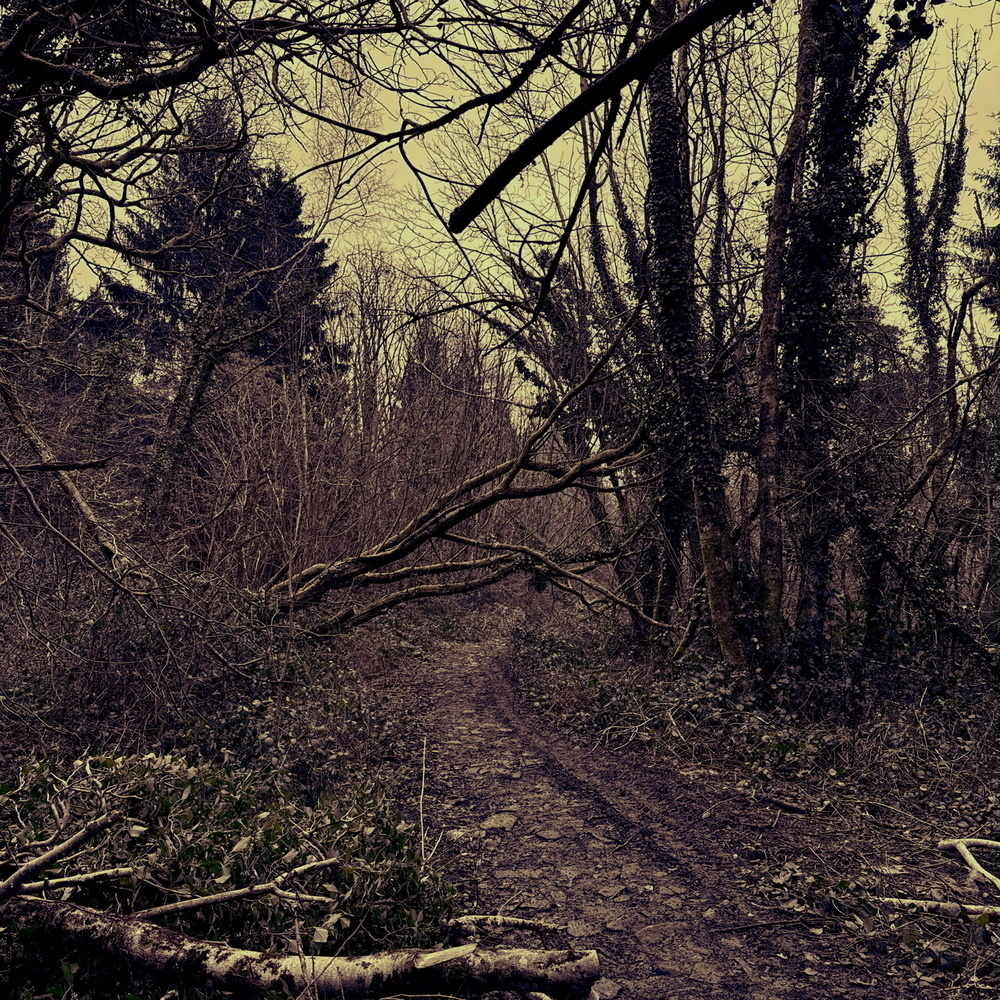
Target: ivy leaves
915, 24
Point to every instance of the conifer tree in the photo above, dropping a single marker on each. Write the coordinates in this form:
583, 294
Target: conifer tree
986, 244
224, 246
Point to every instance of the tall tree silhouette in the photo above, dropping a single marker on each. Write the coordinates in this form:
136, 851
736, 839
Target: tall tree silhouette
986, 244
230, 268
825, 299
226, 253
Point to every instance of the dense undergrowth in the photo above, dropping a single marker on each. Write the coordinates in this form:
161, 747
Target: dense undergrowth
295, 759
591, 682
279, 770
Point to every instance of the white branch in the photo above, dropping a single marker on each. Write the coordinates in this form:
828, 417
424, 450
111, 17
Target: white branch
250, 892
83, 878
13, 884
962, 846
472, 923
944, 908
179, 957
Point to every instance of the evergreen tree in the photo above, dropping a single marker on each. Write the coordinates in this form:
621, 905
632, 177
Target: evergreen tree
224, 252
986, 244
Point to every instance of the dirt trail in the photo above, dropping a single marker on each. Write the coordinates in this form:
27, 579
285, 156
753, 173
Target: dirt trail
538, 828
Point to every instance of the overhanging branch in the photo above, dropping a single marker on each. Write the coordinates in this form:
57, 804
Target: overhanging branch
637, 67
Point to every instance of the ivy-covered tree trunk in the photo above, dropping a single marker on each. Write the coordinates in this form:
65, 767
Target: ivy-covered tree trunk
675, 317
651, 577
825, 300
788, 171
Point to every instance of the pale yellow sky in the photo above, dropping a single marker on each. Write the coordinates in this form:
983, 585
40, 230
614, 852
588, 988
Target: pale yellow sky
387, 220
963, 20
982, 18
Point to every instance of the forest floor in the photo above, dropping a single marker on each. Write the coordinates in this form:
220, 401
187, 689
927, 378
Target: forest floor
689, 879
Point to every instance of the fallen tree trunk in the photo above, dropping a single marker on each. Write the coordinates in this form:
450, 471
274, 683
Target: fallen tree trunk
182, 959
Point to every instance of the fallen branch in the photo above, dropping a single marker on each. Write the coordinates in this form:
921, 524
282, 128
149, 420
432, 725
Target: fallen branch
14, 883
540, 558
963, 846
949, 908
180, 958
636, 67
942, 907
250, 892
68, 881
473, 923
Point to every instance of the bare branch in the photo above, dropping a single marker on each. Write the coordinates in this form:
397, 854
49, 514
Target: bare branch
13, 883
637, 67
97, 463
233, 895
84, 878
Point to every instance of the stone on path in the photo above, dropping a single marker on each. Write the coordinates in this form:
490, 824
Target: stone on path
548, 834
536, 903
655, 933
605, 989
499, 821
610, 891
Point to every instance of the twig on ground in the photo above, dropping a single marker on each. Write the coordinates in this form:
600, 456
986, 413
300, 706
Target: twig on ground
792, 807
951, 908
472, 923
902, 812
13, 884
806, 918
941, 907
420, 801
963, 845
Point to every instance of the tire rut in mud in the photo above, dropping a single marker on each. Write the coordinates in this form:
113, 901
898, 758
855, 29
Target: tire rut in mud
537, 828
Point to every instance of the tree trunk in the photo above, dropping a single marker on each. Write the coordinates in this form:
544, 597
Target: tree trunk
675, 316
787, 171
182, 959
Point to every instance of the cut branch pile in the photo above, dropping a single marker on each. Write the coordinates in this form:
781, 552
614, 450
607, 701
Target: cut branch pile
183, 959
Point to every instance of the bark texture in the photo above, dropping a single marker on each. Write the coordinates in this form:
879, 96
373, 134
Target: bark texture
183, 959
675, 316
788, 171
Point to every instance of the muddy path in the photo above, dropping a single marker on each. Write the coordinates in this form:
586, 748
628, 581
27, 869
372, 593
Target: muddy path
532, 826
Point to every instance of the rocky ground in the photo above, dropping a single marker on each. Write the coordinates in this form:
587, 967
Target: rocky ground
683, 881
539, 834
